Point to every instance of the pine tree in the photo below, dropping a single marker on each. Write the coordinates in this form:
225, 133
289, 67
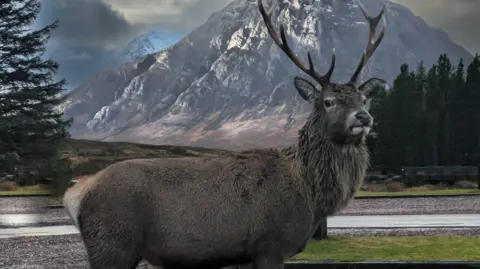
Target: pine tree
459, 98
472, 110
30, 122
376, 107
444, 89
431, 116
421, 141
398, 118
439, 89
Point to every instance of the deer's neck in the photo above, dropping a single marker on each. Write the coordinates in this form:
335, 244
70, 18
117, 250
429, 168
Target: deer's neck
331, 173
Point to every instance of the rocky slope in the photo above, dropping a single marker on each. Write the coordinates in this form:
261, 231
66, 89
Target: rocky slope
227, 85
148, 43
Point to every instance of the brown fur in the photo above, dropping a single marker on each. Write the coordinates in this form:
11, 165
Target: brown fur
256, 207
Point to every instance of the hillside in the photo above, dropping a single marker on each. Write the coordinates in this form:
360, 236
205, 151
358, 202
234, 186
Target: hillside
91, 156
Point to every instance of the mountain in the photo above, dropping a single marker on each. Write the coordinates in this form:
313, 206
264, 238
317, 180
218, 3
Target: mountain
227, 85
149, 43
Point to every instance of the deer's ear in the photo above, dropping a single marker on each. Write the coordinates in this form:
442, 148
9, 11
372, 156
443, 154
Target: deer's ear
372, 86
305, 88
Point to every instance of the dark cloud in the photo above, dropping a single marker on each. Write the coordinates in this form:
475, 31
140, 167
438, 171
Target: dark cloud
87, 22
459, 18
79, 63
184, 15
89, 34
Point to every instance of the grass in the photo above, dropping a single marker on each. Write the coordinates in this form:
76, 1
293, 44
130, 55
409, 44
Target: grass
24, 192
397, 188
418, 193
9, 188
394, 248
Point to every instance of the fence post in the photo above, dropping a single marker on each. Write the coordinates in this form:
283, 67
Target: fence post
478, 177
321, 232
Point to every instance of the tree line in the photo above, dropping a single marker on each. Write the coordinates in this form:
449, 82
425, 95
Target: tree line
429, 117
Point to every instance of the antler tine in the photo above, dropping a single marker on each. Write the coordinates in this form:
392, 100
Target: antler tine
372, 45
282, 43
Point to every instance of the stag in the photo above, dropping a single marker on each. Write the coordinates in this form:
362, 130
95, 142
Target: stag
255, 207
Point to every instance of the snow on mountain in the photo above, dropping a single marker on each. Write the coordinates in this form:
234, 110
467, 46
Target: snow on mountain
227, 85
143, 45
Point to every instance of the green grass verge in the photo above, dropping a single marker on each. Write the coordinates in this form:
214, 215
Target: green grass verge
359, 193
24, 192
394, 248
419, 193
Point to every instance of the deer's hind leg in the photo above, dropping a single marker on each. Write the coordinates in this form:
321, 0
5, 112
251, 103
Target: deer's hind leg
115, 247
111, 253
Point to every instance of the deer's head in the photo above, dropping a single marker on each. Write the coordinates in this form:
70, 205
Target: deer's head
342, 110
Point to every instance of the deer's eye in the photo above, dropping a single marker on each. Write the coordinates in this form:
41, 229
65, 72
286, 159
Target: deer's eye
365, 102
328, 103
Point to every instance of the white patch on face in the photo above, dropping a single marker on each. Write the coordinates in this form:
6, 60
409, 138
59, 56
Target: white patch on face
351, 119
357, 130
360, 130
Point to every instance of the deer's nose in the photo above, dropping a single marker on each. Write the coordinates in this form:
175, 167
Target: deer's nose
364, 118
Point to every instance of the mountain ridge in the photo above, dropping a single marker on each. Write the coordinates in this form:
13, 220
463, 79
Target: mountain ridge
226, 84
145, 44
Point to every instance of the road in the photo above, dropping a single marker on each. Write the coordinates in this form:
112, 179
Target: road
406, 221
38, 215
384, 206
336, 222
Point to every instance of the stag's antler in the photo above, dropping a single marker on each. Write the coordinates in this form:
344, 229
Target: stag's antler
282, 43
372, 45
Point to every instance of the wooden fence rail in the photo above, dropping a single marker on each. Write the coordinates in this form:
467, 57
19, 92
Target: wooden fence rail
447, 174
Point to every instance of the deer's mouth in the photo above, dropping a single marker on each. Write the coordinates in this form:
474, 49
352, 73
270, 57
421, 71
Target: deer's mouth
359, 130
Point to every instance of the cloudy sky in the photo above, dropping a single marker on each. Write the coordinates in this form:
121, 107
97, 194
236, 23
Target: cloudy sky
92, 31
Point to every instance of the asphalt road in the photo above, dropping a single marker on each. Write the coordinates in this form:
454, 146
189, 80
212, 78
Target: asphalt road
406, 221
364, 207
385, 206
336, 222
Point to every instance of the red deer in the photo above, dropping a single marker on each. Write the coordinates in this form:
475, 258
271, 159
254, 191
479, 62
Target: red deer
256, 207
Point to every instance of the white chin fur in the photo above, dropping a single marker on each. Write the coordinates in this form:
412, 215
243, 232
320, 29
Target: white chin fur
360, 130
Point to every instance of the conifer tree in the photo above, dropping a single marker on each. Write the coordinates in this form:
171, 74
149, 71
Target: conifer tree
444, 89
472, 109
31, 124
421, 152
395, 122
459, 98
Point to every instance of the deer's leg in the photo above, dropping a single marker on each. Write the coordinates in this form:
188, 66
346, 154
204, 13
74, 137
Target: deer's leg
111, 255
109, 248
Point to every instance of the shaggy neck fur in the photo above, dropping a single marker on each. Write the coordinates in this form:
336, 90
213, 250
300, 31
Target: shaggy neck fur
331, 171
